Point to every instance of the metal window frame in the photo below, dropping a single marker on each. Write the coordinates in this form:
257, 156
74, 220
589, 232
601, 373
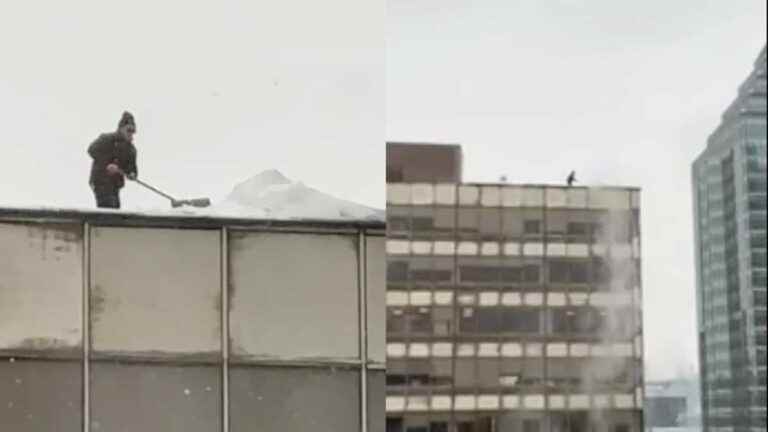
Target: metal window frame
360, 231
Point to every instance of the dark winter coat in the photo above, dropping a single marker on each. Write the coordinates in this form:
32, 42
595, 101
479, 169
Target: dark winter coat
111, 148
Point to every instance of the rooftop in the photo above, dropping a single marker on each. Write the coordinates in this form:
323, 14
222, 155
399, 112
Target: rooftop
173, 219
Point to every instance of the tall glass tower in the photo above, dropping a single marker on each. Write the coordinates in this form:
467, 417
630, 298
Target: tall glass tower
729, 189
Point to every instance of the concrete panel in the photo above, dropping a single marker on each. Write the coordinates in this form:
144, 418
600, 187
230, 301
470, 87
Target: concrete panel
293, 296
441, 403
488, 402
489, 249
398, 194
444, 248
376, 395
142, 397
442, 349
422, 194
395, 404
421, 247
397, 298
396, 350
41, 276
41, 396
445, 194
490, 196
398, 247
469, 195
420, 298
376, 302
557, 197
294, 399
533, 196
510, 402
156, 291
577, 198
614, 199
465, 402
511, 196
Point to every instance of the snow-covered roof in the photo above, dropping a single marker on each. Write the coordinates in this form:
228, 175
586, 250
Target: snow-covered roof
266, 197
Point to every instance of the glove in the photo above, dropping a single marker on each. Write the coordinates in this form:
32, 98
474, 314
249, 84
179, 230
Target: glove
113, 169
131, 176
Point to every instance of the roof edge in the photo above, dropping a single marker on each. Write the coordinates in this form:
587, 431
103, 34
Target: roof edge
127, 218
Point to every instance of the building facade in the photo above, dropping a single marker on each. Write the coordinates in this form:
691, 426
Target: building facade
729, 189
513, 308
127, 322
672, 404
428, 163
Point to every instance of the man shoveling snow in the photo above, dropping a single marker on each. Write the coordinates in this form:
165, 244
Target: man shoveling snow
114, 156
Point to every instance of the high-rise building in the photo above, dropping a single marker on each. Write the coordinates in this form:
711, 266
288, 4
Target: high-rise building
672, 405
511, 307
729, 189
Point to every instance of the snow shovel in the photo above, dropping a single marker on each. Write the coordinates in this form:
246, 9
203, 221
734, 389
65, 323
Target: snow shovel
197, 202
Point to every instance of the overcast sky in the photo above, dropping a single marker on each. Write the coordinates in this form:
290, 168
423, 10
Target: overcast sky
220, 90
624, 92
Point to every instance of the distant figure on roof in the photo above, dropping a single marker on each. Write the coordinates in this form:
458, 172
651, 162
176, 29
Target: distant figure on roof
571, 178
114, 156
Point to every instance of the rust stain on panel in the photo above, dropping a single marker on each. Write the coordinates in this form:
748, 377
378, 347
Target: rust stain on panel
53, 240
41, 343
98, 302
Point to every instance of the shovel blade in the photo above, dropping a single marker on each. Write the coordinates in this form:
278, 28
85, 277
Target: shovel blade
200, 202
197, 202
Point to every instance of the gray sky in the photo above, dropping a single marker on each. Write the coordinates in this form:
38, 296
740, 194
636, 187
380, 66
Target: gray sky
624, 92
220, 90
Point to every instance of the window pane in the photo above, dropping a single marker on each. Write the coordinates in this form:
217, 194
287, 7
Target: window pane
268, 289
422, 223
532, 227
531, 426
396, 224
465, 372
578, 228
490, 223
174, 265
397, 271
532, 273
376, 299
444, 220
479, 273
579, 272
40, 274
558, 271
376, 397
144, 397
523, 320
40, 396
294, 399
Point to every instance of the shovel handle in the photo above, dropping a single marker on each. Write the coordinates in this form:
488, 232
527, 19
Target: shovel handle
173, 200
159, 192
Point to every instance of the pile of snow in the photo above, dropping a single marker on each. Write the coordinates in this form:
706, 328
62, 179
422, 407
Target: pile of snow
271, 195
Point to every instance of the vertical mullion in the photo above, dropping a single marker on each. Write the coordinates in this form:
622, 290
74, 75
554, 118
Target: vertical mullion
545, 238
86, 322
456, 309
363, 328
224, 278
